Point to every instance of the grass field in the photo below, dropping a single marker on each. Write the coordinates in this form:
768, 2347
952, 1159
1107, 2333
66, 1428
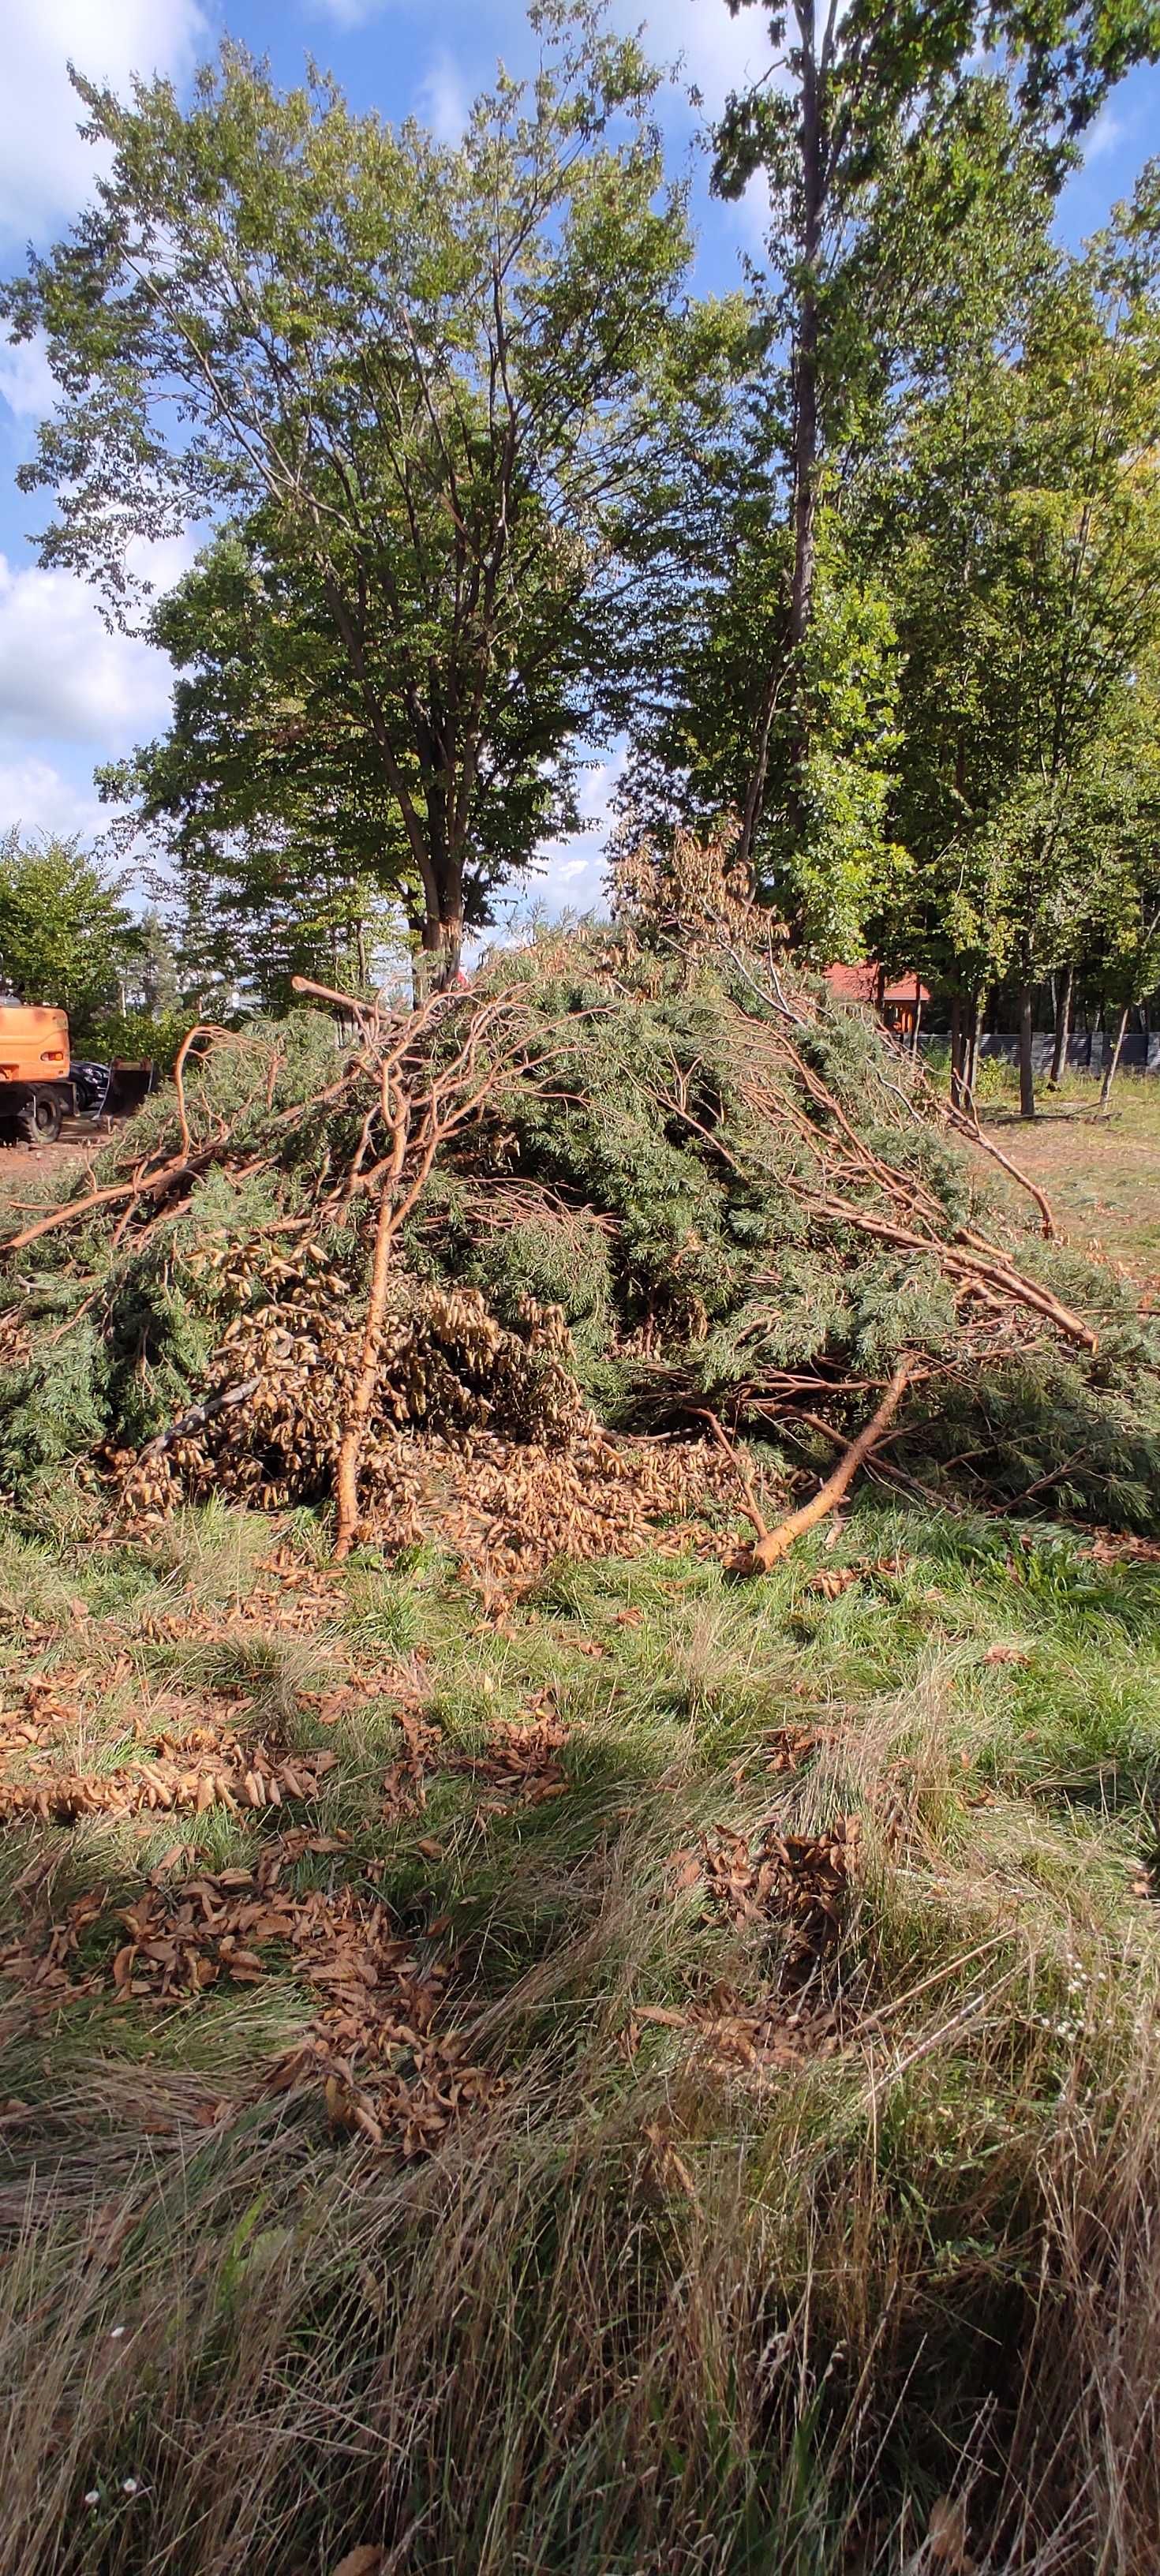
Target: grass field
663, 2076
1101, 1174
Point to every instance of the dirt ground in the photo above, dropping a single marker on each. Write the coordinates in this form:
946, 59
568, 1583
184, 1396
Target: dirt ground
1102, 1175
22, 1164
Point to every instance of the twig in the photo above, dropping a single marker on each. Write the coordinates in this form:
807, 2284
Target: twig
751, 1503
199, 1415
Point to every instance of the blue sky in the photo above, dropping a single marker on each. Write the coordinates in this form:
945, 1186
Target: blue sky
72, 695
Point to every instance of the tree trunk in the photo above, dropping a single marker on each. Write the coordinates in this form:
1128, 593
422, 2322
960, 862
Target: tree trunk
1112, 1066
1062, 1027
958, 1049
805, 469
972, 1052
1026, 1058
755, 793
442, 945
804, 457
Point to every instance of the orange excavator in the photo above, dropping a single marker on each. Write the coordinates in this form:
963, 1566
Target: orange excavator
41, 1085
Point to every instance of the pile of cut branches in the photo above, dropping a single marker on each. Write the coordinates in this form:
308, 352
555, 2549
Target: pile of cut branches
517, 1271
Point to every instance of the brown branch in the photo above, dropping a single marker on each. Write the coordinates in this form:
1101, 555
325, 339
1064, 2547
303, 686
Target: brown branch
752, 1505
446, 1106
110, 1195
767, 1551
969, 1126
350, 1448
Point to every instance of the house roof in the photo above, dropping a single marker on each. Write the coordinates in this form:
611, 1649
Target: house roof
854, 983
860, 984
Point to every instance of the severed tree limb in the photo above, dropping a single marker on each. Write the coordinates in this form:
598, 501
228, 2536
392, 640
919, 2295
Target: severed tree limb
767, 1552
389, 1217
151, 1186
975, 1261
882, 1471
452, 1096
969, 1126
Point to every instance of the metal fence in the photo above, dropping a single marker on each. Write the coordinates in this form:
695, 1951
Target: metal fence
1085, 1054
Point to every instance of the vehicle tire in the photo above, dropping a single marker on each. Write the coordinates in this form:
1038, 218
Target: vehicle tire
42, 1118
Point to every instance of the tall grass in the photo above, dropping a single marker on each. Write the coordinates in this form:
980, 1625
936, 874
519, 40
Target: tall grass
643, 2317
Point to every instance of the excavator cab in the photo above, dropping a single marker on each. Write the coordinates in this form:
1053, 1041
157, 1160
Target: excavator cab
40, 1086
36, 1090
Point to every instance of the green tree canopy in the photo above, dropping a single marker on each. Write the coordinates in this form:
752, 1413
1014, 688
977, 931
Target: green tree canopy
799, 737
909, 148
1023, 524
67, 940
410, 372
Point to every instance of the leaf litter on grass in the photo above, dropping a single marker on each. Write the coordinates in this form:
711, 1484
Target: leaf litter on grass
379, 2047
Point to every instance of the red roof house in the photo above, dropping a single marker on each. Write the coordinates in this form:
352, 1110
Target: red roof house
901, 1002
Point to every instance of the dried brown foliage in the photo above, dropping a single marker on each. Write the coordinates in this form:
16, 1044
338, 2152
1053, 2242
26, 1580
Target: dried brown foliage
477, 1436
773, 1877
376, 2047
204, 1771
695, 891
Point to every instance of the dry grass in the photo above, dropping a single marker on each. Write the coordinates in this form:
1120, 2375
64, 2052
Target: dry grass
1101, 1174
787, 2234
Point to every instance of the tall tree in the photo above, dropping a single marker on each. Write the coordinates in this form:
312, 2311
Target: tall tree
1027, 586
718, 719
67, 939
415, 365
856, 102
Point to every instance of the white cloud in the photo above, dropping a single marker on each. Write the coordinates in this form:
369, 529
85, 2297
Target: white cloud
348, 13
35, 796
27, 384
572, 876
721, 53
1106, 135
45, 169
443, 102
62, 674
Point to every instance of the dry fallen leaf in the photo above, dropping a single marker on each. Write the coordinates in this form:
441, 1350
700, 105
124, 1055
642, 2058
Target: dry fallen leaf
947, 2537
367, 2561
1005, 1655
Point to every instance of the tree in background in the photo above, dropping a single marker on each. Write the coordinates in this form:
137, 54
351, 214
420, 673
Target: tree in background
950, 236
271, 906
883, 146
1026, 577
67, 940
1112, 825
408, 372
708, 734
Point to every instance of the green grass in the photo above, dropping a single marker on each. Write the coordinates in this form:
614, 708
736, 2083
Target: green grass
642, 2314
